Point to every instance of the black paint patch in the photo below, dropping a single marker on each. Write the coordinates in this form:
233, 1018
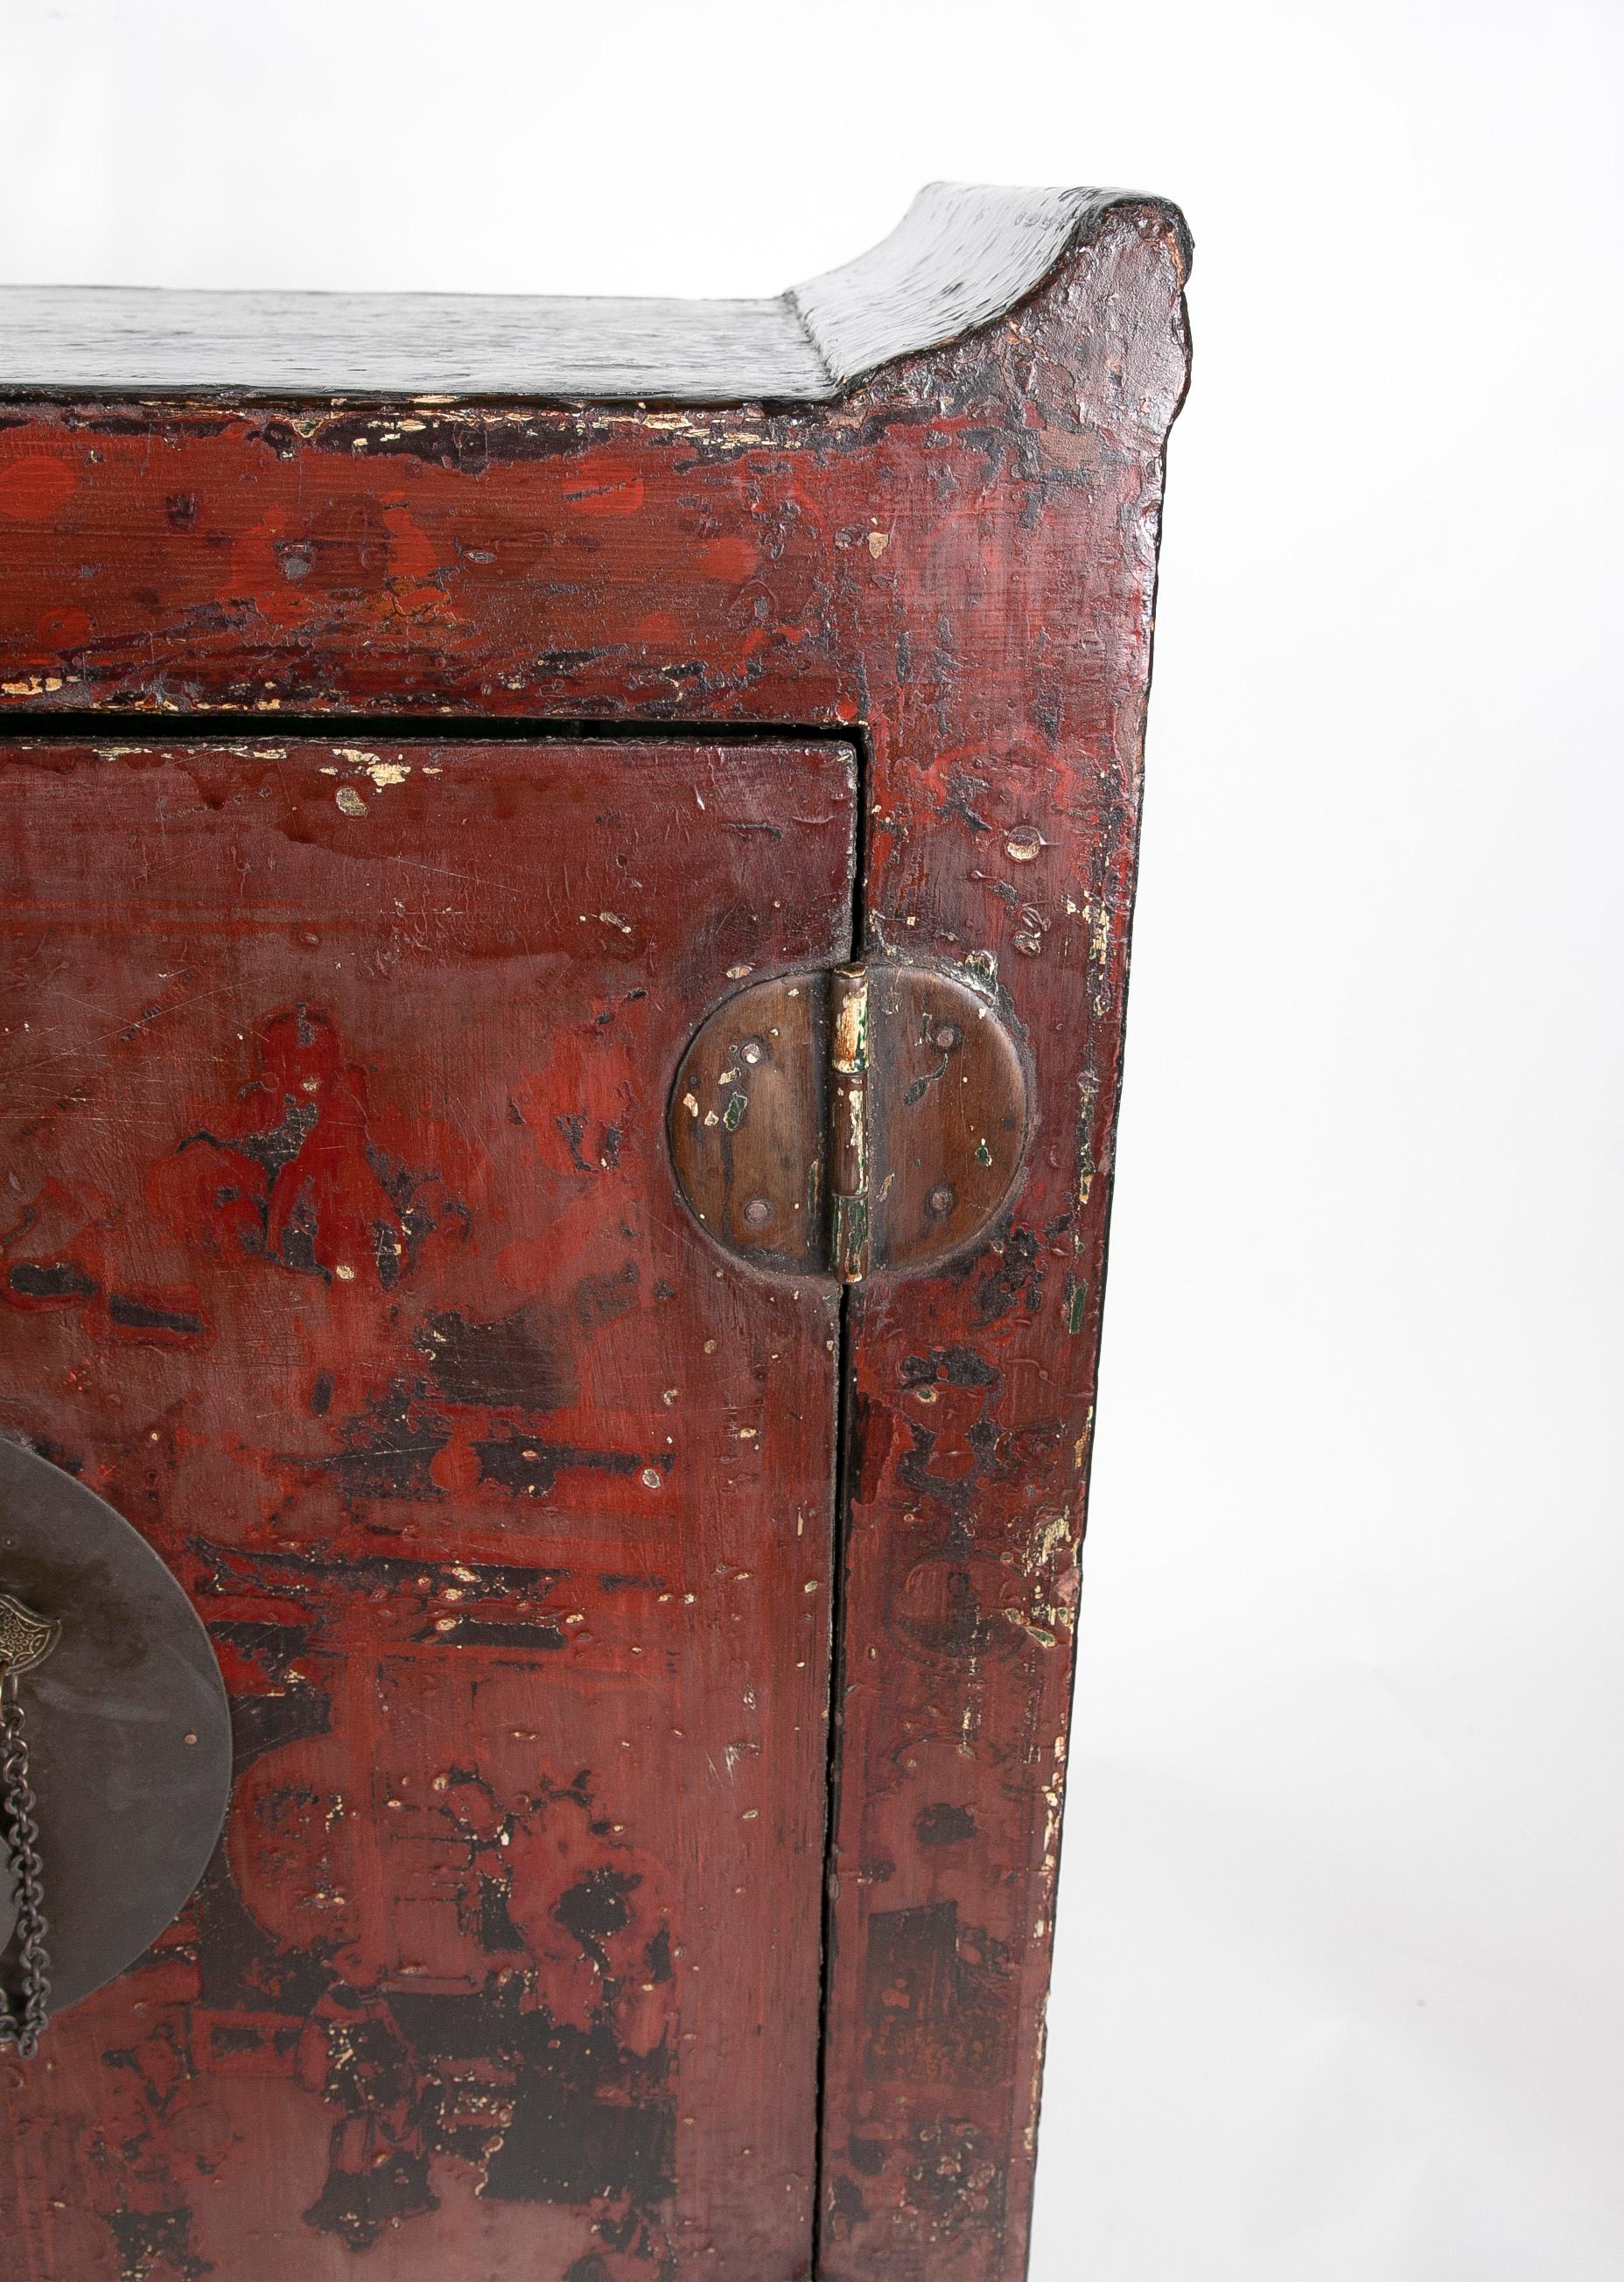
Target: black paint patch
509, 1364
57, 1279
386, 1251
943, 1825
390, 1448
296, 1577
274, 1648
574, 1131
423, 1206
944, 1607
149, 2242
225, 2039
599, 1300
590, 2118
847, 2206
278, 1145
134, 1315
269, 1723
563, 2148
963, 791
53, 1452
378, 2176
938, 1999
596, 1908
520, 1462
958, 2176
241, 1967
959, 1366
297, 1247
494, 1927
1013, 1278
358, 2206
490, 1632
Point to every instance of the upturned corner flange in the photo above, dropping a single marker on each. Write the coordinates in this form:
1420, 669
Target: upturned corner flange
872, 1117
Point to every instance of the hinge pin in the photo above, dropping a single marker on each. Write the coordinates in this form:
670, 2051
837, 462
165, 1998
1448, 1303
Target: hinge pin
849, 1122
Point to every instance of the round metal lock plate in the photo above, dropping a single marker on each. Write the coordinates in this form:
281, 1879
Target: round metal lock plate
129, 1731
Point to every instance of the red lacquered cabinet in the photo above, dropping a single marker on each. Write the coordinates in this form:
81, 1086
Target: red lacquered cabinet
567, 870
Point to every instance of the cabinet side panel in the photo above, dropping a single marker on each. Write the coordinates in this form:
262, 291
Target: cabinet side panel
1007, 735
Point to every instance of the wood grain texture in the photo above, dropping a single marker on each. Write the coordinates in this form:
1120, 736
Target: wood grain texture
112, 340
959, 556
962, 255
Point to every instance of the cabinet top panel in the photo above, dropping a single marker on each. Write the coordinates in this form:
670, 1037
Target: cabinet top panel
963, 256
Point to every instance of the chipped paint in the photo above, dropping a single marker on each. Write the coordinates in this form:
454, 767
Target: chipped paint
1033, 448
358, 1258
381, 773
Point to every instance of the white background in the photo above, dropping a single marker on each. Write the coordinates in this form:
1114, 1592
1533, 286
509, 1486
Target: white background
1338, 1995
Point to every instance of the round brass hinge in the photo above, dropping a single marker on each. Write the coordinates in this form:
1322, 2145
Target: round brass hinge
872, 1117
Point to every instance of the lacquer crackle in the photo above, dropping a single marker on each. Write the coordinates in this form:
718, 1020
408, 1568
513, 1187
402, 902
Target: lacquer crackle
341, 1254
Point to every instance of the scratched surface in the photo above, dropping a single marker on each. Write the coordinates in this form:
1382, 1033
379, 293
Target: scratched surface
338, 1253
960, 554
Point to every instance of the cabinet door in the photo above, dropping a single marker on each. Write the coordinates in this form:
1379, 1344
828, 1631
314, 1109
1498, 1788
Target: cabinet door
340, 1253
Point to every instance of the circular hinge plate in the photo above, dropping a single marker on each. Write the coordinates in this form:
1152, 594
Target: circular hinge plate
871, 1119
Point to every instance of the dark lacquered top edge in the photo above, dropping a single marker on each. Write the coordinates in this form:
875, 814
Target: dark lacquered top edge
963, 256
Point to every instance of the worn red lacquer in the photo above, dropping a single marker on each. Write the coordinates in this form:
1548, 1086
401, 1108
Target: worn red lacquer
355, 1276
339, 1257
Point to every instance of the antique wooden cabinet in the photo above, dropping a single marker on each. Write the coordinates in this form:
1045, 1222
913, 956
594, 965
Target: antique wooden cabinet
567, 870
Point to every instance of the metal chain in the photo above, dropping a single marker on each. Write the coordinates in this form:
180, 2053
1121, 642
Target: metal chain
21, 1832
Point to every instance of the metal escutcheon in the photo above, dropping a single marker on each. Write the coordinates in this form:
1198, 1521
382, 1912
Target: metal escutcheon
129, 1731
